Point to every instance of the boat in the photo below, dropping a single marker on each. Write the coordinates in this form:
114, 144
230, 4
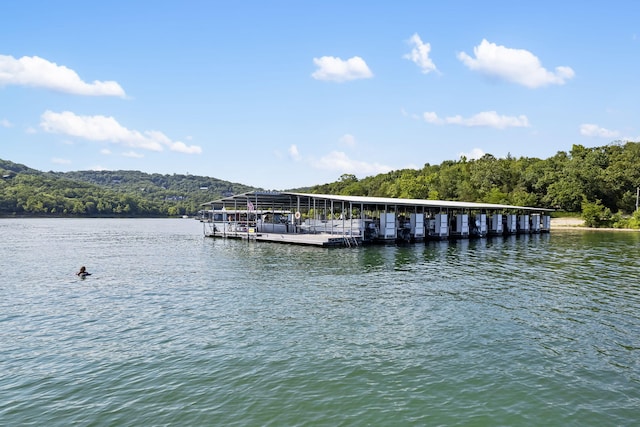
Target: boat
232, 221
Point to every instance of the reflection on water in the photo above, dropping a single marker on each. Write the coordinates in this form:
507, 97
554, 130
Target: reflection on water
173, 328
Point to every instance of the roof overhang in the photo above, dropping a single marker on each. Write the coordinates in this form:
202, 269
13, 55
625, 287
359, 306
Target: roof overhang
274, 199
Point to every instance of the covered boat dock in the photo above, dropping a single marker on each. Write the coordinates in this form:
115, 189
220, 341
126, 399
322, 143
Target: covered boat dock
336, 220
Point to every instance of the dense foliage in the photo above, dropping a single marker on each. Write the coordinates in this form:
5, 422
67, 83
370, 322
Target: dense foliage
601, 178
25, 191
600, 182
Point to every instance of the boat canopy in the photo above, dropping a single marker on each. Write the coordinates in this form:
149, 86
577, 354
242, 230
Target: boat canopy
290, 200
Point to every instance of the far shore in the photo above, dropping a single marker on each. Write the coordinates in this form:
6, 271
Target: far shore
566, 223
578, 224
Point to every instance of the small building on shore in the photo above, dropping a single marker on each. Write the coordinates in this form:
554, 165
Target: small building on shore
336, 220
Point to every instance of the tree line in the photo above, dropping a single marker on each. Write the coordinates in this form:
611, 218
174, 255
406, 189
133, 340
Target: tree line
600, 183
26, 191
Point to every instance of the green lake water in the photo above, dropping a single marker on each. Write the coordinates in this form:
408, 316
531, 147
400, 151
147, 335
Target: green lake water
176, 329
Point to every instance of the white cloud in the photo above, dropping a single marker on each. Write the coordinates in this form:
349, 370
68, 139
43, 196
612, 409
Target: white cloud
515, 65
474, 154
431, 117
348, 140
405, 113
592, 130
294, 153
105, 151
420, 54
96, 128
5, 123
59, 161
178, 146
339, 161
133, 154
107, 129
485, 118
335, 69
181, 147
38, 72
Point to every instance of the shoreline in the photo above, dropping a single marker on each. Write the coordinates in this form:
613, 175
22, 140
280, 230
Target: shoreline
578, 224
556, 223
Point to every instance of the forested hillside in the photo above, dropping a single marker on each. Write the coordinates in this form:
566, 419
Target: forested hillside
600, 182
26, 191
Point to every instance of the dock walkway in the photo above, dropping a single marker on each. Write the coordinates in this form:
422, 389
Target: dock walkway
320, 239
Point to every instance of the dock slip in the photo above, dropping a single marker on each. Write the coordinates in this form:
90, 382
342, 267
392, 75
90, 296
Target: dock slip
334, 220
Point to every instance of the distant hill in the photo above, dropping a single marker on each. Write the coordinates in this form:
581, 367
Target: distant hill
174, 184
9, 167
602, 181
27, 191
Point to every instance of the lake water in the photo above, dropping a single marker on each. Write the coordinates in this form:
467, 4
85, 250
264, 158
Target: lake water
176, 329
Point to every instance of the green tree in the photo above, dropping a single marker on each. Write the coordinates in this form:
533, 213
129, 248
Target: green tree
595, 214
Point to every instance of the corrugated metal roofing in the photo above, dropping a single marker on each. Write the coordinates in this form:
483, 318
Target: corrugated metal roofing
272, 198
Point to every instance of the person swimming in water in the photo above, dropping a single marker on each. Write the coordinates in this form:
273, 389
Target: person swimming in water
83, 272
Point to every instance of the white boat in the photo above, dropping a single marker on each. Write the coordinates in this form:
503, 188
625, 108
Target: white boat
232, 221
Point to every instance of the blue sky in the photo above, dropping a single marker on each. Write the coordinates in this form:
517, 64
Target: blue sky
284, 94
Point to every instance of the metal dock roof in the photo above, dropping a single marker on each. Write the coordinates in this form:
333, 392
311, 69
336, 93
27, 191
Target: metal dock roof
285, 198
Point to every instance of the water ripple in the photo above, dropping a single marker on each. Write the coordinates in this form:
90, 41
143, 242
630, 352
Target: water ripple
174, 329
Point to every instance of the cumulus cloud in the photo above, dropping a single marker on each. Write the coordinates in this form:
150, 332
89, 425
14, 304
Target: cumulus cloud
413, 116
515, 65
181, 147
339, 161
34, 71
483, 119
420, 54
431, 117
338, 70
5, 123
107, 129
592, 130
474, 154
294, 153
178, 146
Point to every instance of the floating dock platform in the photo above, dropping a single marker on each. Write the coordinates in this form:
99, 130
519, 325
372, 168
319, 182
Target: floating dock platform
335, 220
321, 239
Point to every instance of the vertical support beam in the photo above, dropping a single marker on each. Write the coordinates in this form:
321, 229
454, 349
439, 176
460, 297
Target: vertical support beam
298, 221
350, 218
332, 216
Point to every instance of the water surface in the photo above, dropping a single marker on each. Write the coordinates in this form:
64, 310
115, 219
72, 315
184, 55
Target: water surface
176, 329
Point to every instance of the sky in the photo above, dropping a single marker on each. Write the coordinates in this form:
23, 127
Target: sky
287, 94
